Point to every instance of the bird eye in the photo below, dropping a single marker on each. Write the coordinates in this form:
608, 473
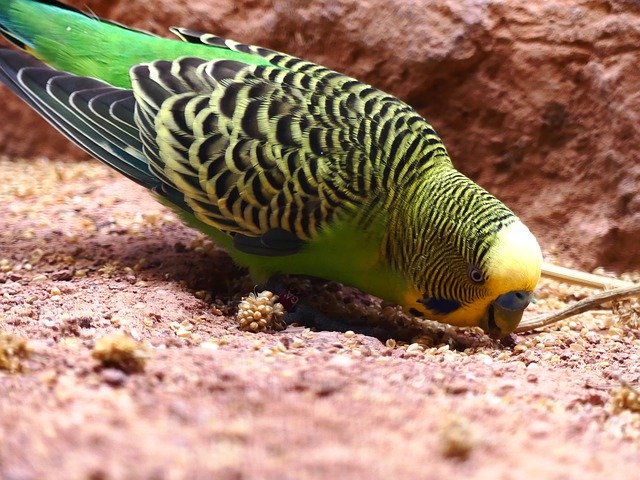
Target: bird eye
475, 274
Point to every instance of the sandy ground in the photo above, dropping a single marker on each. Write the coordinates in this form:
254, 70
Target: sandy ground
537, 101
86, 255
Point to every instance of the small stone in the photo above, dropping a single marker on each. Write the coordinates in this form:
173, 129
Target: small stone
341, 361
113, 376
592, 337
183, 332
577, 347
62, 275
520, 348
457, 440
539, 429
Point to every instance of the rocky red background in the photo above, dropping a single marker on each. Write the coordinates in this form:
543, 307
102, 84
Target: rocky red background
537, 101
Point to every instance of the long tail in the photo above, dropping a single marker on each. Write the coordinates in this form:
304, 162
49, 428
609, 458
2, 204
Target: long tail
19, 23
87, 46
73, 41
76, 74
93, 114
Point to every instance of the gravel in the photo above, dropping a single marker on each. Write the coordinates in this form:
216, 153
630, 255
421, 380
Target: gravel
85, 256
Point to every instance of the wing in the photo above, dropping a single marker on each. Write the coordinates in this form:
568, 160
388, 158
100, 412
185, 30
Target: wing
268, 154
67, 102
272, 154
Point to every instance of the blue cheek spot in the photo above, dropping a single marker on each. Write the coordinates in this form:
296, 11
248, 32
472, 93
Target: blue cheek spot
441, 306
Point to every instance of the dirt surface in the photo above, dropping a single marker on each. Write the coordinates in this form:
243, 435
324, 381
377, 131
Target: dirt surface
120, 356
538, 101
85, 257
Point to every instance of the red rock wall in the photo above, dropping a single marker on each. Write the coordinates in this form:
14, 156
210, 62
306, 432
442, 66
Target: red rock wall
537, 101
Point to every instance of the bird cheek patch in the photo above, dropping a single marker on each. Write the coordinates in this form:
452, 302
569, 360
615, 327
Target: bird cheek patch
441, 306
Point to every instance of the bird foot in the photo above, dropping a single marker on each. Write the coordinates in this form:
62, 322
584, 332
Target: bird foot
300, 311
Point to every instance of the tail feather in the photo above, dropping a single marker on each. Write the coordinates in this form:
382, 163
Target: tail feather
64, 89
119, 105
8, 64
53, 94
81, 100
11, 28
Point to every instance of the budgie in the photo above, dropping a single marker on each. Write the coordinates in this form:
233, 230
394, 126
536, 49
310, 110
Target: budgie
291, 167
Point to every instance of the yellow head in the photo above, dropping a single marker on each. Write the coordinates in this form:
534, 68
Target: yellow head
495, 294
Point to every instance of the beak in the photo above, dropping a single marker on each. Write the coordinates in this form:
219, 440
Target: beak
504, 314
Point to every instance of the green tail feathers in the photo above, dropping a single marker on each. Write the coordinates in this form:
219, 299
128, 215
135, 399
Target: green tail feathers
84, 45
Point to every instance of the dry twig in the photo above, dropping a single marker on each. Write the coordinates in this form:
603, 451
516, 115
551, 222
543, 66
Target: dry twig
577, 277
579, 307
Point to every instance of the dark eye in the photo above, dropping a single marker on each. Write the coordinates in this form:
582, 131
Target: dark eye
476, 275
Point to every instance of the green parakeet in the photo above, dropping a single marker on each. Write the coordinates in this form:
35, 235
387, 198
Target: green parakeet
290, 166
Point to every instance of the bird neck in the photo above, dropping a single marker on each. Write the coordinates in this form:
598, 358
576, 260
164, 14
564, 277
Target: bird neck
441, 213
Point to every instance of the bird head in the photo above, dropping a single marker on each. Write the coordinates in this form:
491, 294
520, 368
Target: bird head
492, 295
472, 266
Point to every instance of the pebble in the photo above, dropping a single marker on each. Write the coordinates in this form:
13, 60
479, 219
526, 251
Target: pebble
113, 376
297, 342
341, 361
592, 337
539, 429
577, 347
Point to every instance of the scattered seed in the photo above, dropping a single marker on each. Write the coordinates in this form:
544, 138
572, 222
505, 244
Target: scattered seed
261, 312
625, 398
120, 351
457, 439
13, 351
